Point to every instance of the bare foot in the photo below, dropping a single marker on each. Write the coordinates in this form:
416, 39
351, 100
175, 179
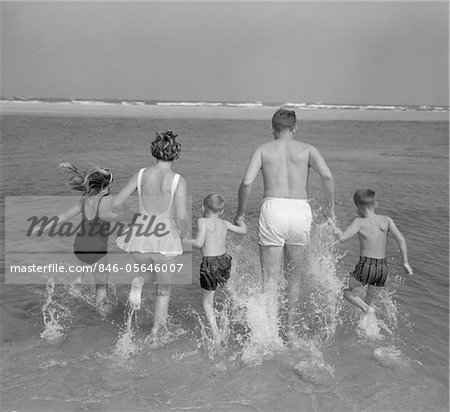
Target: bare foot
135, 293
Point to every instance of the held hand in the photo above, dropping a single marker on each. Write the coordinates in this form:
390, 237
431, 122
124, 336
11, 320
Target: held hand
184, 233
338, 232
408, 269
239, 219
242, 222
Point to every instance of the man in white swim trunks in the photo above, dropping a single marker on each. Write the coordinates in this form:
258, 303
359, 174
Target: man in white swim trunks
285, 218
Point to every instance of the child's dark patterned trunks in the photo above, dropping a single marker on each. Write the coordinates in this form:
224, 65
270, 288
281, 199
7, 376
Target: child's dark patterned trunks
371, 271
214, 270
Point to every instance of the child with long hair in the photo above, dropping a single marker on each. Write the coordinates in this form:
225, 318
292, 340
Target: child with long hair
95, 207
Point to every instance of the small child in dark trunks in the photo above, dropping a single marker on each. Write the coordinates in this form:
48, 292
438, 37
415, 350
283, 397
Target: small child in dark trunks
372, 230
216, 263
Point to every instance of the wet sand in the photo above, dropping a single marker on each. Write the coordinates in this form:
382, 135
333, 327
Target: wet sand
183, 112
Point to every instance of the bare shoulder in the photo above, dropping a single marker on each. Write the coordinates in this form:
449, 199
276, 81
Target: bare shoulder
106, 202
311, 149
384, 218
265, 147
202, 221
226, 223
383, 222
358, 221
105, 208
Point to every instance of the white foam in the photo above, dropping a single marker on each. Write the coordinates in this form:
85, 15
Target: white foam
390, 356
370, 326
253, 104
125, 345
54, 314
189, 104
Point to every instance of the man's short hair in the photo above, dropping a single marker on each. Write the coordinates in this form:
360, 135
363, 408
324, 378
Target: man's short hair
364, 197
283, 119
214, 202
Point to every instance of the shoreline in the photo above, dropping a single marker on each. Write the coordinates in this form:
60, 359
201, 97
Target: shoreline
183, 112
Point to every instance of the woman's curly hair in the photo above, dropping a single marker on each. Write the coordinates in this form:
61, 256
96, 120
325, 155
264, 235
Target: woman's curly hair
165, 147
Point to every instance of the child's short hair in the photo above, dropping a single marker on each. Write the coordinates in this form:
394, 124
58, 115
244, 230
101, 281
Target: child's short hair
364, 197
91, 181
165, 147
214, 202
283, 119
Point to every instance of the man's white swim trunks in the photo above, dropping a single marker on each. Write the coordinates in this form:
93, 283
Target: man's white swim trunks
284, 222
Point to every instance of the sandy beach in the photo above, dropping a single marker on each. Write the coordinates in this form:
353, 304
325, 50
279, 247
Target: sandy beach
184, 112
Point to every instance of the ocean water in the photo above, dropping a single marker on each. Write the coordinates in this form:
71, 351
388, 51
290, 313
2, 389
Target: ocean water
58, 354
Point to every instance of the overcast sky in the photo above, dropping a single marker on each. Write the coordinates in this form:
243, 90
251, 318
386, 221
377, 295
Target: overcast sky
333, 52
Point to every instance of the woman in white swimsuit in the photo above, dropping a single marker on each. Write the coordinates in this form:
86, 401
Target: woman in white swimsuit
154, 236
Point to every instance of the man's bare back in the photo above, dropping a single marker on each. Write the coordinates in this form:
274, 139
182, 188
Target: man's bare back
285, 168
285, 164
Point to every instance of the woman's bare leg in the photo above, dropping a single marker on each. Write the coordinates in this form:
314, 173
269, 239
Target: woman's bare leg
138, 282
163, 290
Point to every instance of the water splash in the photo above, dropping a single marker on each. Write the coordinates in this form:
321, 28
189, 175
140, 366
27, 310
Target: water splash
54, 314
125, 345
390, 356
205, 341
76, 292
263, 340
385, 304
370, 327
103, 308
129, 344
385, 321
251, 327
246, 317
165, 336
322, 294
